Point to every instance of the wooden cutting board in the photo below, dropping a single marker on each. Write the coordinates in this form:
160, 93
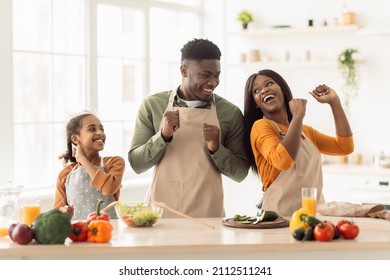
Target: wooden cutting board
278, 223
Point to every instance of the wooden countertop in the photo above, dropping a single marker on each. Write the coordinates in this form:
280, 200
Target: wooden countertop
184, 239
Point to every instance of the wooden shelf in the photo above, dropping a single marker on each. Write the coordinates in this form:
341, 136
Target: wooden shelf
263, 64
296, 31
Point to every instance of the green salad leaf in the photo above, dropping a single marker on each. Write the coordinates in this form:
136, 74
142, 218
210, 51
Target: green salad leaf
139, 214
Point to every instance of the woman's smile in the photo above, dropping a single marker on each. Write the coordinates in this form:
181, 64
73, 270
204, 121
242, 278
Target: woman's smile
269, 98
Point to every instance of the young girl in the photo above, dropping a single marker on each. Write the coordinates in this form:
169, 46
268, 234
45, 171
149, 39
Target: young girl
87, 177
284, 151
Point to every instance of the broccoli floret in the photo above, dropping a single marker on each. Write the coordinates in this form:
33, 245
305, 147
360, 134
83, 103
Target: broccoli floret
52, 227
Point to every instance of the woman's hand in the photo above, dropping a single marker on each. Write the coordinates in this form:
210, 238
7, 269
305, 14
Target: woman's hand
298, 107
324, 94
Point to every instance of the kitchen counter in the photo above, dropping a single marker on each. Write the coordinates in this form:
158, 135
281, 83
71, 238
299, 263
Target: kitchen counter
361, 184
184, 239
356, 169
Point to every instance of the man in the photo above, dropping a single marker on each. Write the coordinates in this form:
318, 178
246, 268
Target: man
191, 136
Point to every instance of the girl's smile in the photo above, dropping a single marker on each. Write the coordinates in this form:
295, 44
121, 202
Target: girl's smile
91, 136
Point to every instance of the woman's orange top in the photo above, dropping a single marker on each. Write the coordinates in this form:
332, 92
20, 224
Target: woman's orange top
272, 157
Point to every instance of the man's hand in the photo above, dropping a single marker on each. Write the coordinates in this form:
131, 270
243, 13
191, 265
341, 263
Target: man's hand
211, 136
171, 120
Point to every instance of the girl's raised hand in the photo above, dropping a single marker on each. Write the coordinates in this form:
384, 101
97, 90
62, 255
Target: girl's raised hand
78, 153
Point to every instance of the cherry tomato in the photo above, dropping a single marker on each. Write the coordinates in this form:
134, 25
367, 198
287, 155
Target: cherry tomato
323, 232
349, 230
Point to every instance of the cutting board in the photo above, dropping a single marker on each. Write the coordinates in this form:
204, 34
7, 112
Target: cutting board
278, 223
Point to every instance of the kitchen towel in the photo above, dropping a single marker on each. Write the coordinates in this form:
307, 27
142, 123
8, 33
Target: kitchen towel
347, 209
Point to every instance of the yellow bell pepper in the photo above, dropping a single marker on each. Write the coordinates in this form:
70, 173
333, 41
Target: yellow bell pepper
296, 220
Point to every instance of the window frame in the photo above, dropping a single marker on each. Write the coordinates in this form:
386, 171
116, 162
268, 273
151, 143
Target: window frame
6, 77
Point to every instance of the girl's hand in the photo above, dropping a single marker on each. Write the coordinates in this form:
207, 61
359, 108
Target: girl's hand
324, 94
78, 153
67, 209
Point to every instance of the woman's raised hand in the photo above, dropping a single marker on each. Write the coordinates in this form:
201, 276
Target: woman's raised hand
324, 94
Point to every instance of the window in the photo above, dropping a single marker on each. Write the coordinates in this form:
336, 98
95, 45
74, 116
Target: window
72, 55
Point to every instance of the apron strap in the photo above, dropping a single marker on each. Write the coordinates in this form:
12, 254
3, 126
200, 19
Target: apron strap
277, 127
280, 130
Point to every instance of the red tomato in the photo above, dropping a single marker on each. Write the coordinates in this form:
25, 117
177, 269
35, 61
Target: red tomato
323, 232
340, 223
349, 230
336, 233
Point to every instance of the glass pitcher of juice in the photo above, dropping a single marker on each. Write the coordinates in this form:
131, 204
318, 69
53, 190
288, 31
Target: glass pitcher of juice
9, 206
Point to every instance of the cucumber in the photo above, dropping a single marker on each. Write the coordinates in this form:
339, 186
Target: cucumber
244, 218
299, 234
311, 221
309, 234
268, 216
236, 217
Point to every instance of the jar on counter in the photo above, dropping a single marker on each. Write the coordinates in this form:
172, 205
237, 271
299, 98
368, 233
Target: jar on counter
9, 206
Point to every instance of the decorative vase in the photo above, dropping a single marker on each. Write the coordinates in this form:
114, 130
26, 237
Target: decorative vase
245, 25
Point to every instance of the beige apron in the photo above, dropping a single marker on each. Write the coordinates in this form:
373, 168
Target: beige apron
186, 178
284, 194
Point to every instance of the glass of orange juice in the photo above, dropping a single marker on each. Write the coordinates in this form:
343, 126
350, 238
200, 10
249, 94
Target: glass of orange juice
309, 200
29, 210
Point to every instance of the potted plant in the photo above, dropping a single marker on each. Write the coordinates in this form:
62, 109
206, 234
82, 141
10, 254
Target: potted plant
348, 66
244, 17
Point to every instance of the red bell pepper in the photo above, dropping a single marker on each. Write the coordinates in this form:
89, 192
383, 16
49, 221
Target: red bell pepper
79, 231
98, 215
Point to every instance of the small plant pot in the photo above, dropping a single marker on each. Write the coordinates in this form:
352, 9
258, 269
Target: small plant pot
245, 25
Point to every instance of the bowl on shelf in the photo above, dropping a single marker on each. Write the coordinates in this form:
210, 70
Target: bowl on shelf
138, 214
385, 162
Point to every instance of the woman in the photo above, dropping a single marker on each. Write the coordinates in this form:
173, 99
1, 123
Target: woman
284, 152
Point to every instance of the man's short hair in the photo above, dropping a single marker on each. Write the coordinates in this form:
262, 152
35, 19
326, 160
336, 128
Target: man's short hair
199, 49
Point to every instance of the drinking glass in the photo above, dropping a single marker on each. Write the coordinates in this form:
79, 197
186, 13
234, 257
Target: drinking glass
29, 210
309, 200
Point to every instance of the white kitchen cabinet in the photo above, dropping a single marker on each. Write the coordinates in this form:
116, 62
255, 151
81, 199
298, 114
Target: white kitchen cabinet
363, 184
